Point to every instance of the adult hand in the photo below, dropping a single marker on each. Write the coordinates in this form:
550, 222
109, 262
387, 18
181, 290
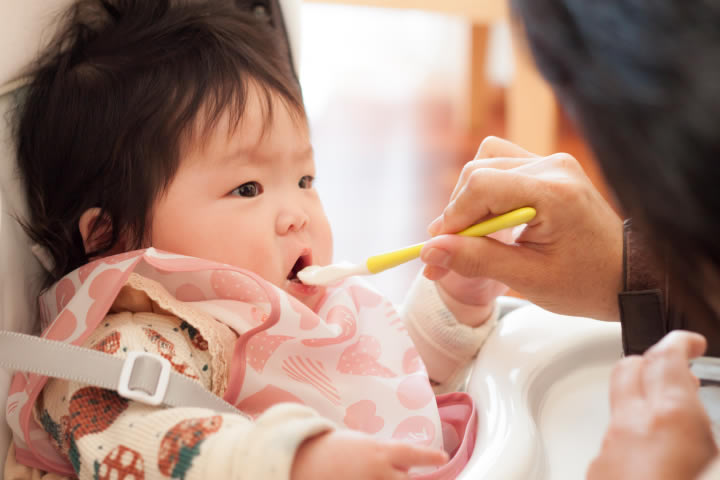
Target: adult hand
353, 455
472, 300
569, 257
658, 426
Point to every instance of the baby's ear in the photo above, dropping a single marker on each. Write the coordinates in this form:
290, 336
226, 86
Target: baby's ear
96, 230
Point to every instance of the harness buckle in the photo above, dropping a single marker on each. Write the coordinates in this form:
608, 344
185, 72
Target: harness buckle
152, 369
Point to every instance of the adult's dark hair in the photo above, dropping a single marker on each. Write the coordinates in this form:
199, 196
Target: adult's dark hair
123, 87
642, 81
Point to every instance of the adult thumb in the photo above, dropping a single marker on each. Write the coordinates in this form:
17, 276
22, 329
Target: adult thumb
476, 257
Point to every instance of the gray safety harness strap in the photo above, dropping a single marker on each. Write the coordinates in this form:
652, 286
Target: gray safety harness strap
145, 377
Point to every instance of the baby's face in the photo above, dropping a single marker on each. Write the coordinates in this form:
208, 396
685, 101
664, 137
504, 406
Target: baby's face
248, 200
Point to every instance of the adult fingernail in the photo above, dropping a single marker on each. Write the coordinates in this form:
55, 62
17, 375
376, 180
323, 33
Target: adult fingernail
436, 257
435, 226
434, 273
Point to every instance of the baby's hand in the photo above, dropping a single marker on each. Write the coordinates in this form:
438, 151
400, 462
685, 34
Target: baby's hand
472, 300
354, 455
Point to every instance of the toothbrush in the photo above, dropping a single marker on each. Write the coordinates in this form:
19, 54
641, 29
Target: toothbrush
329, 274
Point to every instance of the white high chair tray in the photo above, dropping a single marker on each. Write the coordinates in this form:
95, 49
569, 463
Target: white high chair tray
540, 384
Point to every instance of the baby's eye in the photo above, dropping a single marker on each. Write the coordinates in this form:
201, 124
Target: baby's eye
249, 189
306, 181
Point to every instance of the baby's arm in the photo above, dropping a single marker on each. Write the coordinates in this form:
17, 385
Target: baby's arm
472, 300
357, 456
445, 343
101, 432
450, 319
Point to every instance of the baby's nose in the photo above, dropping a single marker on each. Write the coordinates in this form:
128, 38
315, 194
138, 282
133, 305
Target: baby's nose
291, 221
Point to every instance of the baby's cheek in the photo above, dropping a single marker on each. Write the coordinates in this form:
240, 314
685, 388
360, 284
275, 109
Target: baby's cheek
323, 250
260, 260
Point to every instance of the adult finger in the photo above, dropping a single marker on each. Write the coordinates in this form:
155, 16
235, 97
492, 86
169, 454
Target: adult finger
405, 456
434, 273
556, 166
499, 147
502, 163
487, 192
681, 342
670, 357
668, 372
497, 153
480, 257
626, 382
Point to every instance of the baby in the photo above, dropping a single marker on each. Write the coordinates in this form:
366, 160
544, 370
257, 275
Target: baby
180, 126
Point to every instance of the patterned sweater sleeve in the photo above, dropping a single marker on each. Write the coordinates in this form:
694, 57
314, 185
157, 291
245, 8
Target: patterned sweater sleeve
445, 345
104, 435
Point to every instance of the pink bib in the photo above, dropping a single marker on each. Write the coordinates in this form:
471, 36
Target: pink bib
352, 360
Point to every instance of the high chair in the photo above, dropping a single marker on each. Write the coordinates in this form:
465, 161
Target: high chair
539, 382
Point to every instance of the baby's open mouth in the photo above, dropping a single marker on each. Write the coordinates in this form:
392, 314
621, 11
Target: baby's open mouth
302, 262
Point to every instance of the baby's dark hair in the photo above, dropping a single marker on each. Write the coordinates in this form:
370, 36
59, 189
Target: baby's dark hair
122, 88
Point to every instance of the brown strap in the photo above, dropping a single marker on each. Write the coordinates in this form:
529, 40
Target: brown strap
642, 320
643, 303
640, 267
651, 306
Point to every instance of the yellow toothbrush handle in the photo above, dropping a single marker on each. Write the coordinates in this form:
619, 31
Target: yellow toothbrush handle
378, 263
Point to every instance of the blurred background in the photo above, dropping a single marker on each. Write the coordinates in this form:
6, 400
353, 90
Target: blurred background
400, 93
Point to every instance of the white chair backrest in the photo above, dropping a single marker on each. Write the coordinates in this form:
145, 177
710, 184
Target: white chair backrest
25, 27
19, 271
